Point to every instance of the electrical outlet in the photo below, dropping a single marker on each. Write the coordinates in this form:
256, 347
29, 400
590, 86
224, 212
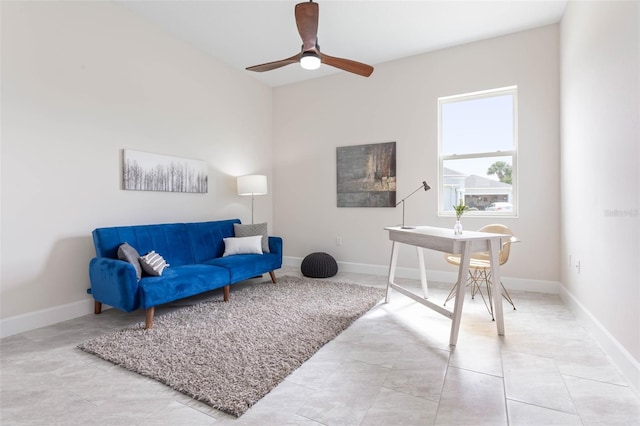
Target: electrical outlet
574, 262
338, 241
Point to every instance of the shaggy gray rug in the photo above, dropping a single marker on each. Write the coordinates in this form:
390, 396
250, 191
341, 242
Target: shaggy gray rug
229, 355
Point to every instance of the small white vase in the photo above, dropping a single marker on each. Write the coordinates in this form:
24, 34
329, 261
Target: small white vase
457, 228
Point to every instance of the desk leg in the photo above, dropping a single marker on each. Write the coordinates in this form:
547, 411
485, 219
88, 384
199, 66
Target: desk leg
423, 273
494, 250
392, 270
463, 272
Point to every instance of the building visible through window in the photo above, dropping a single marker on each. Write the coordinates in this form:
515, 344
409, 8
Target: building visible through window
477, 135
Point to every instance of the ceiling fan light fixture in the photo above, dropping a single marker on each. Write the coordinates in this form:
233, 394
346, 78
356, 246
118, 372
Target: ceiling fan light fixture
310, 61
309, 56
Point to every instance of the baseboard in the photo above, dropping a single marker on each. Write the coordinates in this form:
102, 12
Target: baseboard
627, 364
510, 283
42, 318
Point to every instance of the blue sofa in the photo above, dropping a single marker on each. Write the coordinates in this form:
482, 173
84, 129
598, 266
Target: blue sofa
193, 251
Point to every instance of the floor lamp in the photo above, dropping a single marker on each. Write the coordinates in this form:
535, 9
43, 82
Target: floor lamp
252, 185
426, 187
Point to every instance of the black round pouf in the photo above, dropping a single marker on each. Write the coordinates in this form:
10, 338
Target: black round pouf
319, 265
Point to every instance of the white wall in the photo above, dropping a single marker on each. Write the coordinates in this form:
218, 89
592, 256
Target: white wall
80, 82
399, 103
600, 73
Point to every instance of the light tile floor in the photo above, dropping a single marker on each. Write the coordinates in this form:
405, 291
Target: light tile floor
391, 367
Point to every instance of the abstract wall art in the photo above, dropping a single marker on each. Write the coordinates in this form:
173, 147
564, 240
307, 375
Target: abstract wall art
366, 175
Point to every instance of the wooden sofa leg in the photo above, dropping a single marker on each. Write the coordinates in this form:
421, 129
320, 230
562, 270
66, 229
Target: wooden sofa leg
225, 293
97, 307
148, 320
273, 277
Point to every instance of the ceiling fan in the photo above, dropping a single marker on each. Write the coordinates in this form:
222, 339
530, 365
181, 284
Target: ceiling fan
310, 56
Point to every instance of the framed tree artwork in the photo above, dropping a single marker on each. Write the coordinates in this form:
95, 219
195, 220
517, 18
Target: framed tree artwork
143, 171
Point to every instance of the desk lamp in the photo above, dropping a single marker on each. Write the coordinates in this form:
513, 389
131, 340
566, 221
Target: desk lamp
426, 187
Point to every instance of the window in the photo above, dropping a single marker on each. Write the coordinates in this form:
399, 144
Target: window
477, 142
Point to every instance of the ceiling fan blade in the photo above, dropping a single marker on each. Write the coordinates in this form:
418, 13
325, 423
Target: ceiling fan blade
347, 65
307, 22
275, 64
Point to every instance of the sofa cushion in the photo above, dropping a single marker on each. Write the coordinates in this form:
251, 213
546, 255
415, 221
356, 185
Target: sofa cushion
242, 245
131, 255
206, 238
251, 230
245, 266
171, 240
178, 282
153, 264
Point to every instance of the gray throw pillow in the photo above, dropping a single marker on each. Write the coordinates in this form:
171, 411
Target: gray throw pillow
251, 230
129, 254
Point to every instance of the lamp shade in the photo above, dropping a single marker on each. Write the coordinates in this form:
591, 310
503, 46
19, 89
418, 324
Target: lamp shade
252, 185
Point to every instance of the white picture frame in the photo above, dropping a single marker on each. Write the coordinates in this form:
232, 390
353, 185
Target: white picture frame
144, 171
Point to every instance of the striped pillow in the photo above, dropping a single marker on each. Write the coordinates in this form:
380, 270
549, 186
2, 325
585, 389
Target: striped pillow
153, 263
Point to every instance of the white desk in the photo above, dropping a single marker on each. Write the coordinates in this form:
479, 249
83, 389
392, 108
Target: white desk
443, 239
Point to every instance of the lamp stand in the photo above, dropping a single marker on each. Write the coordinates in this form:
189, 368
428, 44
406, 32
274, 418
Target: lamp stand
403, 226
424, 186
252, 185
252, 198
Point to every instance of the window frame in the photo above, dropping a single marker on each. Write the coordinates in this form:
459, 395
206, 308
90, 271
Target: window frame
513, 153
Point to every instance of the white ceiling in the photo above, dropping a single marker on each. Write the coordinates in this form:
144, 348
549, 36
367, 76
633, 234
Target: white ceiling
244, 33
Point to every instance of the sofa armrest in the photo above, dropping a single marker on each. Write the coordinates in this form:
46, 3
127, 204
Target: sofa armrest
114, 282
275, 245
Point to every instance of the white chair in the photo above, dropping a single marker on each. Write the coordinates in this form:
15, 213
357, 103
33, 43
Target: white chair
480, 268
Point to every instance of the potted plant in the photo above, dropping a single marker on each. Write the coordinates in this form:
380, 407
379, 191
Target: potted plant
460, 208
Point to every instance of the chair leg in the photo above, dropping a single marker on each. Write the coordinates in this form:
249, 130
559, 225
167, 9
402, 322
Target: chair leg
506, 295
97, 307
476, 278
273, 277
481, 278
451, 295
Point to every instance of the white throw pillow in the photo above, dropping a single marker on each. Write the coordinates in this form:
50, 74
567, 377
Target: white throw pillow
242, 245
153, 263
